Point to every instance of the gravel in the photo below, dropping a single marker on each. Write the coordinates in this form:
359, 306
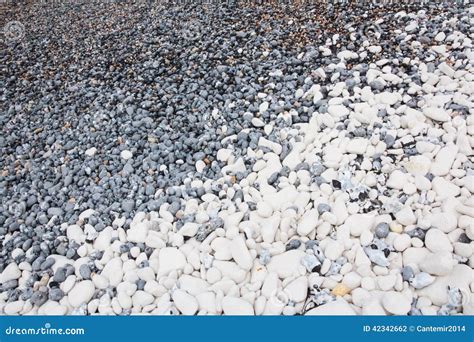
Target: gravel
320, 157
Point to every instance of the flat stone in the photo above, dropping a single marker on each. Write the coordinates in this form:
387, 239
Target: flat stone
405, 216
444, 160
113, 272
439, 263
437, 241
297, 290
185, 303
11, 272
81, 293
240, 253
234, 306
170, 259
339, 307
357, 146
308, 222
286, 264
437, 114
396, 303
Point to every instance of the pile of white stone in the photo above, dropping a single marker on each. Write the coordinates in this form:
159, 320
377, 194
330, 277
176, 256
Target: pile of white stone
305, 247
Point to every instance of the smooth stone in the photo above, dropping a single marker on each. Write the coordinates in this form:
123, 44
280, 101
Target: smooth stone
402, 242
233, 306
189, 229
358, 223
418, 165
81, 293
185, 303
446, 222
141, 298
264, 209
170, 259
414, 255
263, 107
11, 272
13, 308
333, 250
396, 180
377, 257
437, 114
382, 229
440, 263
90, 151
193, 285
240, 253
444, 188
207, 301
437, 241
113, 272
75, 233
308, 222
357, 146
138, 232
444, 160
286, 264
405, 216
126, 154
339, 307
396, 303
297, 290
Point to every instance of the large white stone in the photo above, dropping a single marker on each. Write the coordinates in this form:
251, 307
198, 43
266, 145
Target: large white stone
397, 180
75, 233
437, 241
333, 249
405, 216
81, 293
113, 271
234, 306
308, 222
142, 298
138, 232
396, 303
339, 307
357, 146
358, 223
286, 264
444, 160
446, 222
418, 165
185, 303
170, 259
439, 263
193, 285
297, 289
11, 272
240, 253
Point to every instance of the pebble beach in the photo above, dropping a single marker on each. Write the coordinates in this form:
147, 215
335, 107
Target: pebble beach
236, 159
